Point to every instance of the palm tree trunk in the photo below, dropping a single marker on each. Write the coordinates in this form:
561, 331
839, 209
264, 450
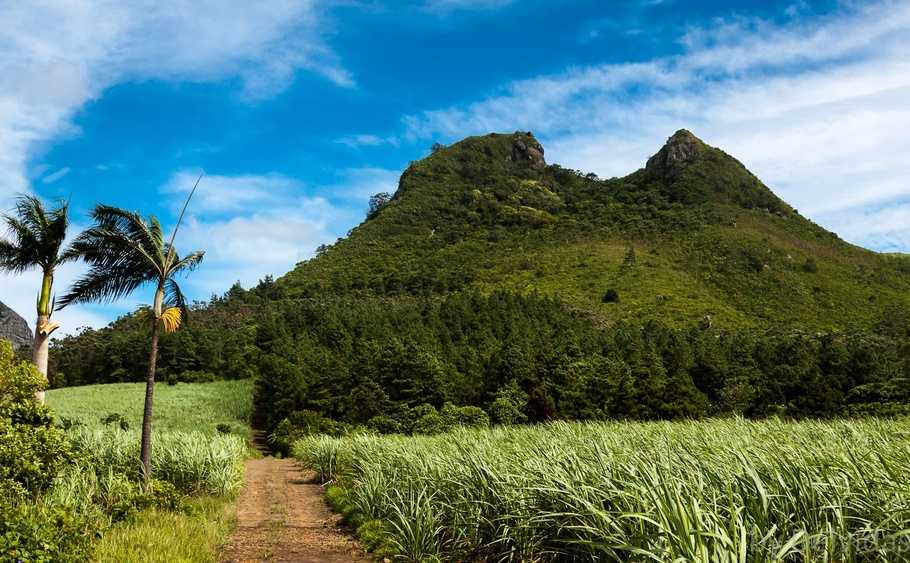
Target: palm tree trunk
146, 450
40, 352
42, 336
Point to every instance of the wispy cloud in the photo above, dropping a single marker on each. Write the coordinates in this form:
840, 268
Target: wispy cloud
444, 6
358, 184
223, 194
367, 140
819, 107
55, 176
256, 225
57, 56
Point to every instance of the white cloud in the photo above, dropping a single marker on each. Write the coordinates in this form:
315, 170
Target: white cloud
57, 56
366, 140
247, 247
221, 194
819, 108
54, 176
251, 226
359, 184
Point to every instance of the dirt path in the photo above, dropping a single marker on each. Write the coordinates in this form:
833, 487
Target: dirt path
281, 517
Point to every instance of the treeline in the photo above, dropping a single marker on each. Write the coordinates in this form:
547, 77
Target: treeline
384, 362
530, 358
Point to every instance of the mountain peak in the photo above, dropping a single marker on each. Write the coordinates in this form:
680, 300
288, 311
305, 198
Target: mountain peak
526, 148
680, 149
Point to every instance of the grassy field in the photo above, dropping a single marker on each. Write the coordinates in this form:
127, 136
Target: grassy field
719, 491
202, 464
195, 535
183, 407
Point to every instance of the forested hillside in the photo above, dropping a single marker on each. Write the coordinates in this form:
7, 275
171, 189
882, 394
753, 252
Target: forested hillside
494, 286
692, 234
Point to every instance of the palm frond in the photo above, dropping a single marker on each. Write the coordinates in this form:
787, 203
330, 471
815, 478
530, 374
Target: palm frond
12, 259
31, 213
106, 283
173, 297
188, 263
171, 319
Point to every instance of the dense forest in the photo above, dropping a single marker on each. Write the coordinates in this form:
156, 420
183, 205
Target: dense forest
383, 362
495, 287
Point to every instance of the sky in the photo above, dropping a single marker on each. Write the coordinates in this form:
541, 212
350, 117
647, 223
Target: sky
298, 110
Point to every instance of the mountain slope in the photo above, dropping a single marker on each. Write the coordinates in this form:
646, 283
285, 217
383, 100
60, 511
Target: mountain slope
692, 236
14, 328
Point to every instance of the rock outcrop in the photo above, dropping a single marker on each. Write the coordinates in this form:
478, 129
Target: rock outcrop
681, 149
527, 149
14, 328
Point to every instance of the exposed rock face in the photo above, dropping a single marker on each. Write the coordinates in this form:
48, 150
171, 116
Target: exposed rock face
14, 328
681, 149
525, 148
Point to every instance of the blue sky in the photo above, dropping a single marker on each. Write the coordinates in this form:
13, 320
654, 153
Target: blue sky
299, 110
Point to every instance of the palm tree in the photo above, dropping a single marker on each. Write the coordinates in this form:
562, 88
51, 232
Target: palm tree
125, 252
36, 241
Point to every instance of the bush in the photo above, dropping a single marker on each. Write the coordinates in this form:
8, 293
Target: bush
464, 416
509, 405
611, 296
384, 425
223, 428
35, 533
32, 448
304, 423
195, 376
116, 419
810, 266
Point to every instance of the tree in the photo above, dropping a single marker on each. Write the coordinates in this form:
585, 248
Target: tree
125, 252
36, 241
377, 202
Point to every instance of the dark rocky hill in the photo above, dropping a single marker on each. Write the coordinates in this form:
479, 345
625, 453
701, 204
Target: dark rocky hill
14, 328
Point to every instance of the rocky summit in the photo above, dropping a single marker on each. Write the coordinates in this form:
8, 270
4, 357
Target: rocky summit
14, 328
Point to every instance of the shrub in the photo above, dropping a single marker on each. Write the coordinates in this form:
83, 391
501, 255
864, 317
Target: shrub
223, 428
611, 296
30, 532
509, 405
464, 416
384, 425
303, 423
116, 419
810, 266
32, 448
196, 376
427, 420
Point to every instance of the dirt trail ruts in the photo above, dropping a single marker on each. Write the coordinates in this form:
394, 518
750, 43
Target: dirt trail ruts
281, 516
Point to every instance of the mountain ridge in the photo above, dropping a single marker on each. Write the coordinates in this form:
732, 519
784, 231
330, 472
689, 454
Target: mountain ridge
708, 238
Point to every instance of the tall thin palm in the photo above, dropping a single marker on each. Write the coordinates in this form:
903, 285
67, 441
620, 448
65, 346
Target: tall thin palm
125, 252
36, 237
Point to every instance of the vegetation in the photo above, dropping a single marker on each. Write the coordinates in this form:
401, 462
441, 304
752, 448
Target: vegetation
37, 241
190, 407
64, 482
686, 289
193, 535
492, 289
721, 490
707, 237
126, 252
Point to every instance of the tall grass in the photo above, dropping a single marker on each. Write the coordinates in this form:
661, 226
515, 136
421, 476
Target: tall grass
193, 462
718, 491
184, 407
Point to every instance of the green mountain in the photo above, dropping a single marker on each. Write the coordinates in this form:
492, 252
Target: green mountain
691, 237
